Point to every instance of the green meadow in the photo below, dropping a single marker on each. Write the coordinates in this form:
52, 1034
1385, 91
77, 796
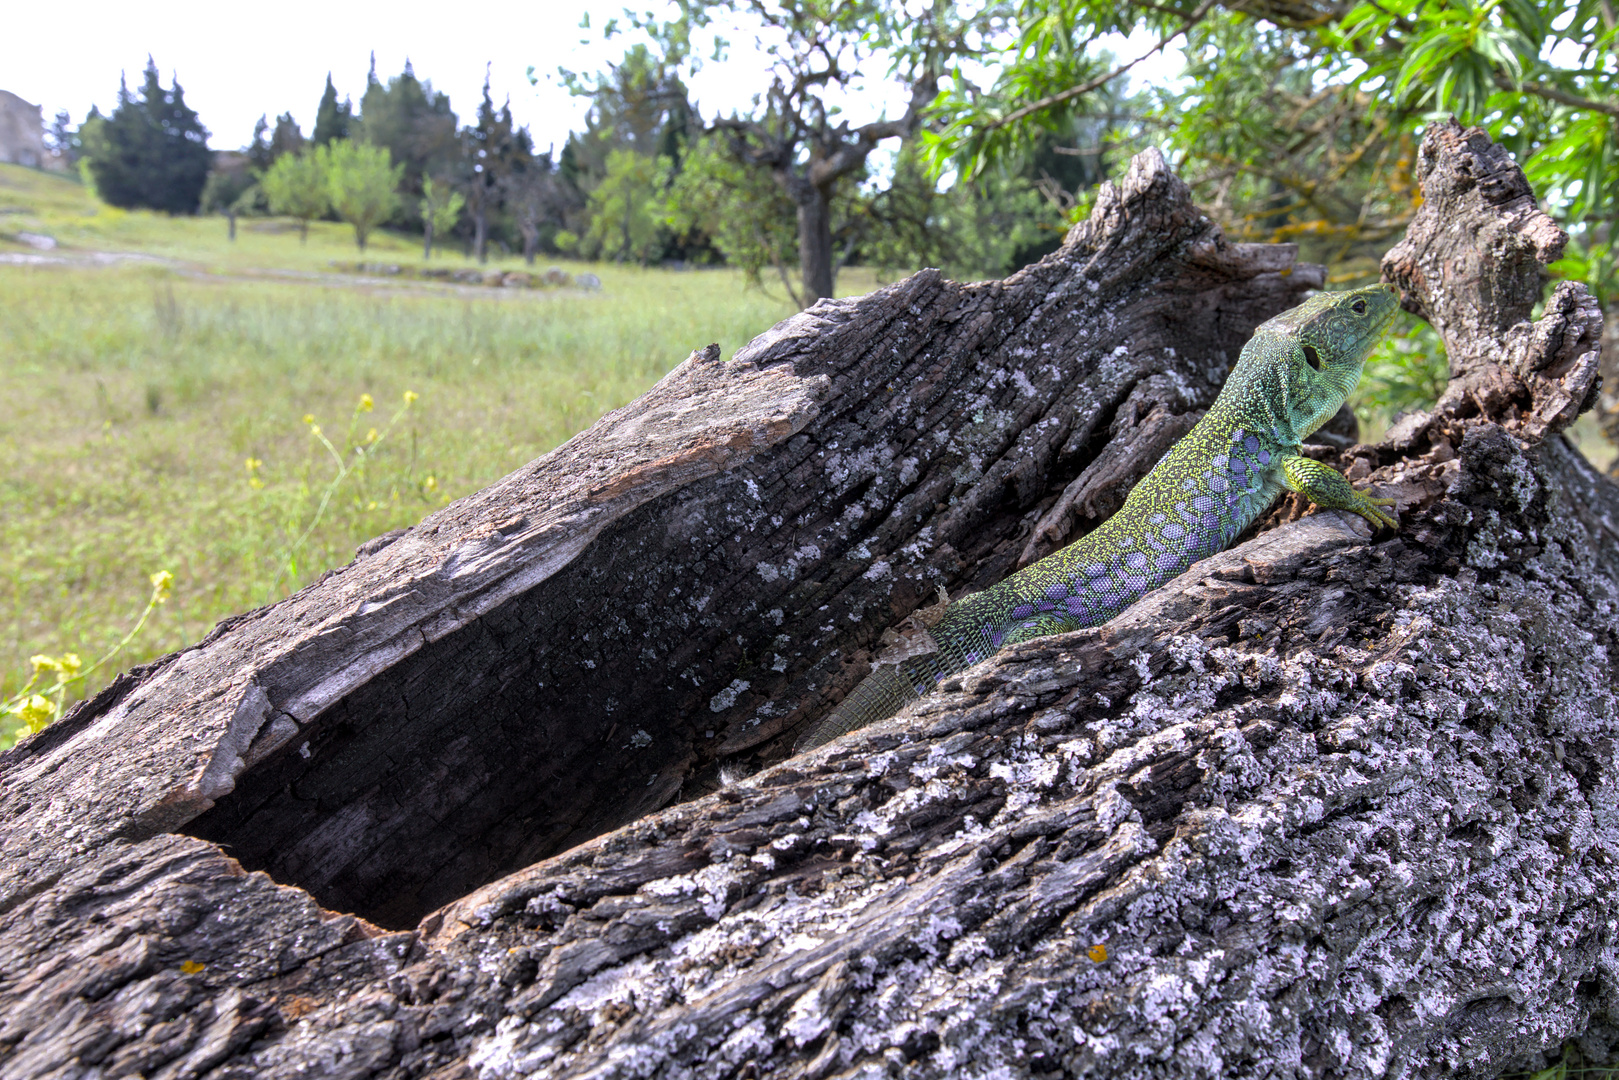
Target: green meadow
162, 411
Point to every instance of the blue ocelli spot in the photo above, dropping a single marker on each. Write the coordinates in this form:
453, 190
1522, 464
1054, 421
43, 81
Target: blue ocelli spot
1251, 443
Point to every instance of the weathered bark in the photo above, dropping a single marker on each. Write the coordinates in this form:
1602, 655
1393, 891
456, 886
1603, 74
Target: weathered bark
1323, 806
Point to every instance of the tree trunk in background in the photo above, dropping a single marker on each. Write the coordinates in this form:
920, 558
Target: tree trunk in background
531, 239
1326, 805
814, 239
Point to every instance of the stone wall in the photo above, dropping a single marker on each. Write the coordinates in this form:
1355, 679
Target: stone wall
22, 132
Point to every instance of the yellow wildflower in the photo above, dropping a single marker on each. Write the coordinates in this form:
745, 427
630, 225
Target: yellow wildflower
43, 663
430, 484
35, 713
410, 396
371, 436
309, 418
162, 582
69, 664
314, 429
253, 463
366, 404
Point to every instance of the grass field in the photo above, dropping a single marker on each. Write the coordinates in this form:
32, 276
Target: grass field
137, 392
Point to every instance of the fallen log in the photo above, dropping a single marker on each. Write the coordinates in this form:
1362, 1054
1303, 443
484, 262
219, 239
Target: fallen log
1327, 805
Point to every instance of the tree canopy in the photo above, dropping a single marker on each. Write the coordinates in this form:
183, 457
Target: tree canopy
1298, 118
362, 184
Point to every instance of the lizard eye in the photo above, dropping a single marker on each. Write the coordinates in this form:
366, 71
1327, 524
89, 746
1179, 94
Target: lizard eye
1312, 357
1358, 307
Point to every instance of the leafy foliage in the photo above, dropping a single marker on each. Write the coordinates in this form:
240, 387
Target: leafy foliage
441, 209
627, 208
296, 185
743, 212
979, 228
362, 184
1299, 119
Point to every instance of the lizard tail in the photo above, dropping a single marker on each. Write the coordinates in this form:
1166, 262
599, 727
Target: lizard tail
880, 695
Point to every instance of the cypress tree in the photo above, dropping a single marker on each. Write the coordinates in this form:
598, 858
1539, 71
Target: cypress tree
331, 119
288, 138
151, 152
258, 151
416, 124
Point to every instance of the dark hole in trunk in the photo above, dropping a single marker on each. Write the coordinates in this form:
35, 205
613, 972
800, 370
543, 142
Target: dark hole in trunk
568, 711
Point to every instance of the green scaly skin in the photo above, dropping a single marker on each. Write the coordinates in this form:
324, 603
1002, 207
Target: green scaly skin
1291, 378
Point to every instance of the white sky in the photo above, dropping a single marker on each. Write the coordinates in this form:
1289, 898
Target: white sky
236, 63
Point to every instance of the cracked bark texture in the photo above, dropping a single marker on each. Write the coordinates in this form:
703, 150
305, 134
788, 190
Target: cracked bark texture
1328, 805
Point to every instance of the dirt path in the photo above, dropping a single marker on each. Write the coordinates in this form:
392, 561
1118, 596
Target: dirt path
369, 283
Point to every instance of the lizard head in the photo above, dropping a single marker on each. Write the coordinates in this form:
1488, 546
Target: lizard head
1323, 344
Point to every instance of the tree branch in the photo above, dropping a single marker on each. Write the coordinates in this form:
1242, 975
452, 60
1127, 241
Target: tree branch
1562, 97
1101, 80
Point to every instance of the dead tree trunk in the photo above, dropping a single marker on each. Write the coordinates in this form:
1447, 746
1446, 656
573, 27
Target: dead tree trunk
1324, 806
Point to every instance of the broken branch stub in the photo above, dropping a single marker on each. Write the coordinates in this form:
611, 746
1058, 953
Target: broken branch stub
1473, 263
1326, 805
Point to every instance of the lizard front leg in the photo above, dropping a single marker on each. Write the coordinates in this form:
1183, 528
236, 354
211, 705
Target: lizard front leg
1327, 487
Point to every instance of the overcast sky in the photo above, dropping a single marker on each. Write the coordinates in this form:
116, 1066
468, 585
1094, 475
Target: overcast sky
236, 63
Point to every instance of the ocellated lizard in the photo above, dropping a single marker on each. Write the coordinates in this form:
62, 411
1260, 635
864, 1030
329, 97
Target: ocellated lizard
1292, 376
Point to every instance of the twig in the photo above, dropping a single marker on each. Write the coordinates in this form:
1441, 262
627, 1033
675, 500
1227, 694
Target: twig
1562, 97
1101, 80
